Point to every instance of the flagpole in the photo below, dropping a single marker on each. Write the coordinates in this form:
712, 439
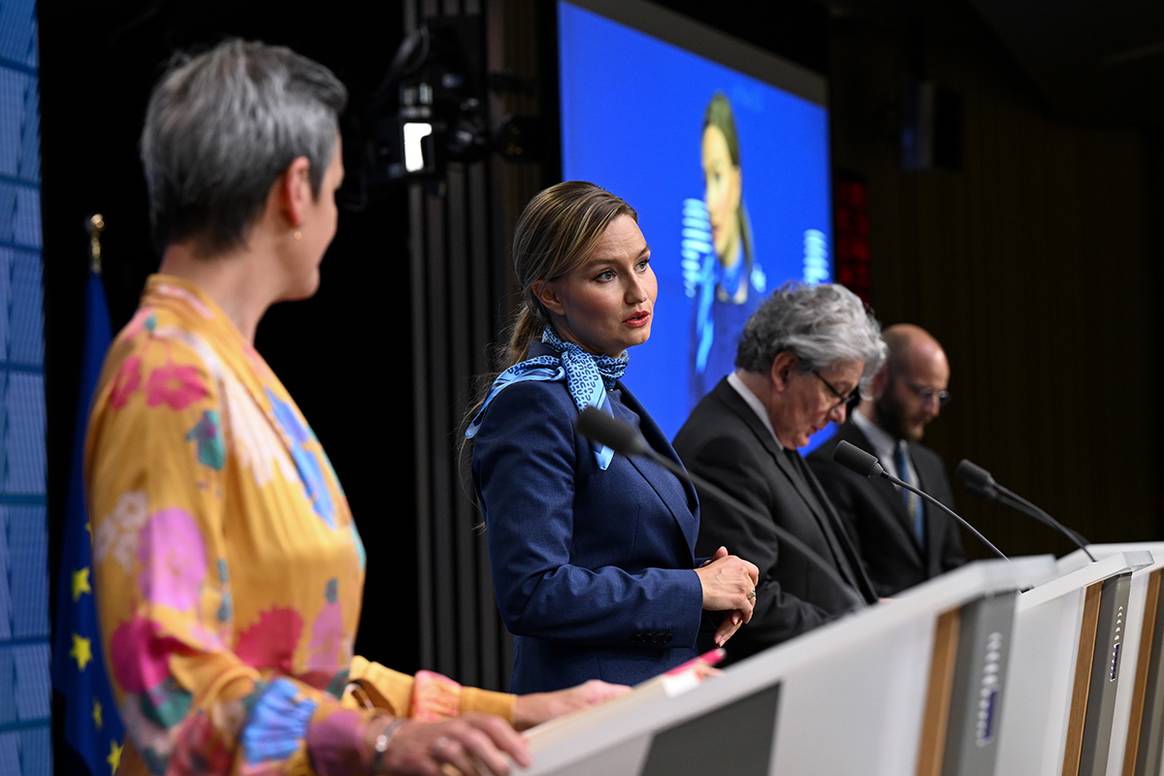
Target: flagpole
95, 226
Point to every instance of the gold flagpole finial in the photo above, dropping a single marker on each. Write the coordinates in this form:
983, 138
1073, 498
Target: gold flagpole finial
95, 226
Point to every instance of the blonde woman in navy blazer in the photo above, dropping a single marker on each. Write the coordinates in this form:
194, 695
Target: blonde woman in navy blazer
592, 553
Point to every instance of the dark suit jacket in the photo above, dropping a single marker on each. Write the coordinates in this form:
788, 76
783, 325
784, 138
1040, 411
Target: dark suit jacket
876, 519
724, 441
592, 569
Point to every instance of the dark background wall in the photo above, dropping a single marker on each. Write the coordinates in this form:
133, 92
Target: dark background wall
1034, 257
1035, 260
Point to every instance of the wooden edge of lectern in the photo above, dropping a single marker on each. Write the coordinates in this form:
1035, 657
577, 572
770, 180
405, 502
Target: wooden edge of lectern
1088, 629
1143, 665
940, 688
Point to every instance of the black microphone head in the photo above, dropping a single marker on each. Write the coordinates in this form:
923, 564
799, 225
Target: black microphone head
975, 477
852, 457
605, 429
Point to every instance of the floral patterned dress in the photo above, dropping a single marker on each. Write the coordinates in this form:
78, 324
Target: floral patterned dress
228, 569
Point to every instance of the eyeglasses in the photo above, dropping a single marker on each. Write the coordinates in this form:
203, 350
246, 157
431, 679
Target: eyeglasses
841, 398
927, 394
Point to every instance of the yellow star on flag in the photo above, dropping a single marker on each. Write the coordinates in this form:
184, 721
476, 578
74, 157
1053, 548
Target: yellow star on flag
82, 651
97, 713
81, 583
114, 758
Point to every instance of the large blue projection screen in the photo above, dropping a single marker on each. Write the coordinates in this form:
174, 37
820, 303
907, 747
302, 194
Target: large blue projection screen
633, 109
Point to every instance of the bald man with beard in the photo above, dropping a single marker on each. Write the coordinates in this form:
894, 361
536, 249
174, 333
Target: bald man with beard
902, 540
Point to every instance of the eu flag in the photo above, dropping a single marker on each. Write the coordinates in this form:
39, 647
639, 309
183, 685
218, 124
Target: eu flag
91, 724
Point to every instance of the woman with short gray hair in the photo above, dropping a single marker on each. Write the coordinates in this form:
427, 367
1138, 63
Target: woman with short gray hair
222, 127
229, 572
801, 359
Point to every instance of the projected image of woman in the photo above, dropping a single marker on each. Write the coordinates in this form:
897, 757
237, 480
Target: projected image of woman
731, 282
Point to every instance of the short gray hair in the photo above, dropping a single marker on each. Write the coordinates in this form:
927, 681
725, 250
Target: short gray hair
220, 129
822, 324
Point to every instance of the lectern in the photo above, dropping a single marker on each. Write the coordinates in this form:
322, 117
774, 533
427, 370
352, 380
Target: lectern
1066, 667
1138, 716
916, 685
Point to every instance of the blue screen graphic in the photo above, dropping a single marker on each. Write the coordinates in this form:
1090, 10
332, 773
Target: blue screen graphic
633, 111
25, 693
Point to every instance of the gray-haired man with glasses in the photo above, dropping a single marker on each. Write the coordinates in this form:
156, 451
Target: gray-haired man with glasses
901, 540
802, 355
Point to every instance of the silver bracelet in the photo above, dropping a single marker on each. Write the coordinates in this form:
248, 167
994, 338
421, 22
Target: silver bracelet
383, 740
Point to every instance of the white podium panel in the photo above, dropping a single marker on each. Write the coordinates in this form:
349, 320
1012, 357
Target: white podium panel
913, 686
1065, 662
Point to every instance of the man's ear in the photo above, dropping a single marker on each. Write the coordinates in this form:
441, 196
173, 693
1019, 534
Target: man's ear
880, 383
781, 370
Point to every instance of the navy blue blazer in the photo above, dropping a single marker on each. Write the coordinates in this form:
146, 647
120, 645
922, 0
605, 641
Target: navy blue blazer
592, 569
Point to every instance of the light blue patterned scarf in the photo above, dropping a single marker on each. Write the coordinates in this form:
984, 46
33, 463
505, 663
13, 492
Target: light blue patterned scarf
588, 377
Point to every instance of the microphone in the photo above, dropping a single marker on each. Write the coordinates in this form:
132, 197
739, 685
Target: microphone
605, 429
624, 438
978, 480
854, 458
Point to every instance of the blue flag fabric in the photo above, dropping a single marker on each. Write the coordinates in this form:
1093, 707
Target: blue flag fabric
91, 724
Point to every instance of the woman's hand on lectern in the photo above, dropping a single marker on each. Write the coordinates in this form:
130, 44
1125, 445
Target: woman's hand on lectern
474, 744
539, 707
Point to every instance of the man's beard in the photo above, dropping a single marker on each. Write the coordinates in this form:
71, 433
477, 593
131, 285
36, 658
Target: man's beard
890, 419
